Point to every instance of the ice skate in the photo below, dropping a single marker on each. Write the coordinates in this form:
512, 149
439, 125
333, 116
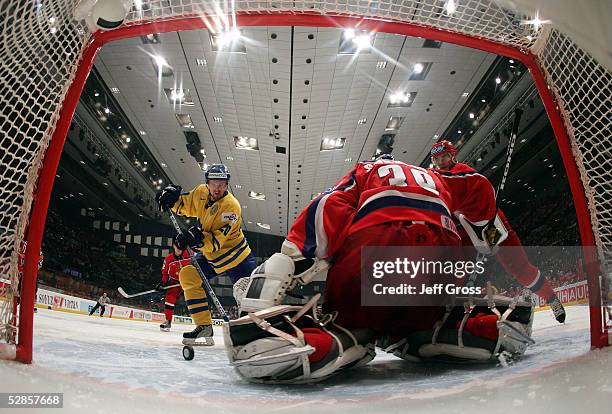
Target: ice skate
165, 327
202, 335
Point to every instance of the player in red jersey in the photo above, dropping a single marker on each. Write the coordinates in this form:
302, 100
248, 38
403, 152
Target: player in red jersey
514, 260
173, 263
378, 203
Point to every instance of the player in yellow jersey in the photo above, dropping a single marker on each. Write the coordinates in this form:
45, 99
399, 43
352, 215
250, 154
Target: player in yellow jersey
218, 240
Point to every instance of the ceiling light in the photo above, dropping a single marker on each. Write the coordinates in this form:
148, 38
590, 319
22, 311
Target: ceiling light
545, 159
435, 136
142, 132
348, 159
471, 115
238, 186
353, 42
483, 100
160, 181
493, 167
229, 158
106, 111
363, 41
105, 183
524, 139
122, 180
465, 94
246, 143
362, 121
450, 7
227, 38
349, 34
163, 164
184, 120
177, 95
497, 80
257, 196
479, 159
511, 61
82, 162
160, 61
459, 132
201, 62
401, 99
536, 22
418, 68
218, 119
264, 226
152, 38
125, 201
115, 90
128, 139
394, 123
96, 94
329, 144
381, 64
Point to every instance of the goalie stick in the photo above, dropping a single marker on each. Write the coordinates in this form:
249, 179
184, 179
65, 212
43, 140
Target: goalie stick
194, 262
146, 292
518, 113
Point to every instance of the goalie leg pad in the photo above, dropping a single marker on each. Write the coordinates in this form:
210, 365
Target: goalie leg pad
281, 345
461, 340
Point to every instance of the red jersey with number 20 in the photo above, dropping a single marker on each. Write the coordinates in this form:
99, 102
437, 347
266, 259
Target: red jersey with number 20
386, 190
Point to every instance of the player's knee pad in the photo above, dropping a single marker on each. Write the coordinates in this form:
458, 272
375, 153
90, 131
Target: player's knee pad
452, 340
287, 344
270, 282
189, 278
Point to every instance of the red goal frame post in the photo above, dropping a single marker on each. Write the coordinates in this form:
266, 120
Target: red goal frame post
528, 52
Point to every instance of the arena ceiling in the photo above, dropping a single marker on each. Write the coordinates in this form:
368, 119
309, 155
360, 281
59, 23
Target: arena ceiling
296, 91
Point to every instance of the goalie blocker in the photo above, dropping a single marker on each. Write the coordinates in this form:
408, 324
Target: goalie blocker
270, 281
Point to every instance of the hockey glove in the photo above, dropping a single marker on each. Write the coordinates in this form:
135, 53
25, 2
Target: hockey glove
189, 238
167, 197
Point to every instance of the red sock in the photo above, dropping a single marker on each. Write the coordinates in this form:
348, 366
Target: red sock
320, 340
483, 326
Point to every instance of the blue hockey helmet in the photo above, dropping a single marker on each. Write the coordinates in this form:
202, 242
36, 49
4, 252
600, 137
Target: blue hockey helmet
217, 172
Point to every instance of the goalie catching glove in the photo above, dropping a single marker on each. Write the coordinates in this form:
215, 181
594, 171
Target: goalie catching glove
281, 273
288, 344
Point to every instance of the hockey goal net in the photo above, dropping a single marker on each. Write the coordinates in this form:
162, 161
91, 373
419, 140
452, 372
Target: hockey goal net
45, 56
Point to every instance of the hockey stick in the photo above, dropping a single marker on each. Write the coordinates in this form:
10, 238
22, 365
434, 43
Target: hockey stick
146, 292
194, 262
518, 113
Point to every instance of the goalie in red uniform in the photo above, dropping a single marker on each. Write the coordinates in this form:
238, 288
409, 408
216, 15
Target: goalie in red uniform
514, 260
378, 203
173, 263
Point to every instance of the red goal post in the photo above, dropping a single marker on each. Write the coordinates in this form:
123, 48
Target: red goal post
45, 58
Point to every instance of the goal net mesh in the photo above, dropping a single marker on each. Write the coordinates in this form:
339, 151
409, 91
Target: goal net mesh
41, 47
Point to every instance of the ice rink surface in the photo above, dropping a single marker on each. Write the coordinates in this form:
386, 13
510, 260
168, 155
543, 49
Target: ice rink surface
115, 366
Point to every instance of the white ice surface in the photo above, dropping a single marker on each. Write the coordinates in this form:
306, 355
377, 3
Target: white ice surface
114, 366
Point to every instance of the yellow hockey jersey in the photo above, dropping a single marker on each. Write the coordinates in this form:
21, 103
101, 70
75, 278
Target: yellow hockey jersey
224, 243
